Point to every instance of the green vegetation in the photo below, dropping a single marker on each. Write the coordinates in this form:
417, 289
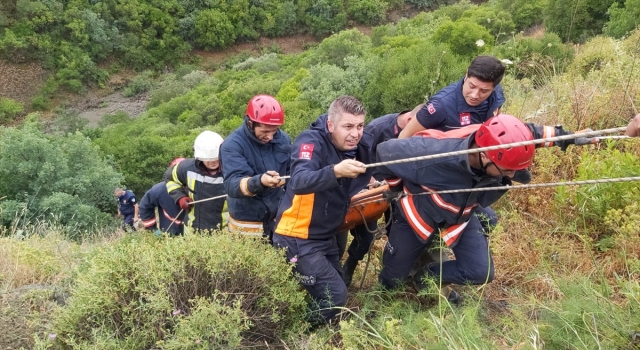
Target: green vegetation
566, 266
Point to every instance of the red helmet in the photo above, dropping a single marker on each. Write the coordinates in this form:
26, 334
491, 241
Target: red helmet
503, 129
176, 161
265, 109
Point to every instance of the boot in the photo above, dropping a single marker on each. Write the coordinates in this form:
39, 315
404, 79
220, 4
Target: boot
349, 268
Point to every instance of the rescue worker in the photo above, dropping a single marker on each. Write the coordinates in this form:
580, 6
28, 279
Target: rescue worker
169, 213
382, 128
472, 100
127, 208
326, 171
253, 158
452, 215
200, 178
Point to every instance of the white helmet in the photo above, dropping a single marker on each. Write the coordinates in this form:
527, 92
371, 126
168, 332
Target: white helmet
207, 146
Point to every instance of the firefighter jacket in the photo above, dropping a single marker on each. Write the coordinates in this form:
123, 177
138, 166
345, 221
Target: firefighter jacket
447, 213
168, 210
448, 110
243, 160
127, 203
315, 202
383, 128
191, 178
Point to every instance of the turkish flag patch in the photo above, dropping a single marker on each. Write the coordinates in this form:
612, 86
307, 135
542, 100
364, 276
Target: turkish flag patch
306, 151
431, 108
465, 118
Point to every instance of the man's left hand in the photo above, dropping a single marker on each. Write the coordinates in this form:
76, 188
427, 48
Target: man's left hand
581, 141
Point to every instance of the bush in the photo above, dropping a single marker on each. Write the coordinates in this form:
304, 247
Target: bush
142, 82
9, 109
194, 292
623, 20
464, 37
323, 16
369, 12
537, 58
214, 29
336, 48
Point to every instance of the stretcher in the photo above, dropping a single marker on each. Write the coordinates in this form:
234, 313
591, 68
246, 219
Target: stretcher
365, 206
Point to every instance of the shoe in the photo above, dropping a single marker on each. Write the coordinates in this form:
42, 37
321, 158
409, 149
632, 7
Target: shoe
349, 268
453, 297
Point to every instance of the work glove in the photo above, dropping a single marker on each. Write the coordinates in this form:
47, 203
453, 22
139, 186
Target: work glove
184, 202
522, 176
581, 141
578, 141
392, 195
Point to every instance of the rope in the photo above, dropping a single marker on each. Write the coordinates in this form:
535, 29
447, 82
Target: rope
508, 145
546, 184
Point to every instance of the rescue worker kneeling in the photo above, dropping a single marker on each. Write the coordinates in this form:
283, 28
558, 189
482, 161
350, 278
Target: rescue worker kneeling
421, 216
326, 171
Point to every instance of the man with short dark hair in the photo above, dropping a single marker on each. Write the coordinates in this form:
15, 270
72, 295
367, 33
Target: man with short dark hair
383, 128
327, 169
472, 100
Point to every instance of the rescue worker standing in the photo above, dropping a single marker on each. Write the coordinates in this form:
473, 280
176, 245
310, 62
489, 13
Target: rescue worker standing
421, 216
127, 208
253, 158
326, 171
382, 128
169, 213
200, 178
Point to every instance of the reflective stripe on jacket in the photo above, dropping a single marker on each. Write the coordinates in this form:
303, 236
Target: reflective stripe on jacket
243, 160
200, 184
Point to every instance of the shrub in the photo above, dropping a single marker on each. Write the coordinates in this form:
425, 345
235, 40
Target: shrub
142, 82
219, 290
369, 12
9, 109
623, 20
214, 29
336, 48
539, 58
323, 16
465, 38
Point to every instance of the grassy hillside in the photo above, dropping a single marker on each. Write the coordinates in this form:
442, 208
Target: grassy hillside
566, 258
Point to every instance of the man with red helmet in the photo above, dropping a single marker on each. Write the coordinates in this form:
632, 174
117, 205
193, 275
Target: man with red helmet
421, 216
253, 158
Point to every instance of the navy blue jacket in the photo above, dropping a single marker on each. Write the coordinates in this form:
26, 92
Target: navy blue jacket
383, 128
447, 109
158, 197
243, 160
315, 202
447, 211
127, 203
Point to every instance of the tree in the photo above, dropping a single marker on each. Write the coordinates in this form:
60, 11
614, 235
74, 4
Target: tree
214, 29
623, 20
464, 37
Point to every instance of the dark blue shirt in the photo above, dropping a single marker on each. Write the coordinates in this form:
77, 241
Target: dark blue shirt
127, 202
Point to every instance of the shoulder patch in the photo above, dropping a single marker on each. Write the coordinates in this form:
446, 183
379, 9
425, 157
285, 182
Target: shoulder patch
431, 108
306, 151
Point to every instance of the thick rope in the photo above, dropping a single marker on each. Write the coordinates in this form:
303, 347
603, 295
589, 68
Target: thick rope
546, 184
507, 145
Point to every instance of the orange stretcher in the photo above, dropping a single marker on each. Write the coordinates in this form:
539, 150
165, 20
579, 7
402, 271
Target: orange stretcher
365, 206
